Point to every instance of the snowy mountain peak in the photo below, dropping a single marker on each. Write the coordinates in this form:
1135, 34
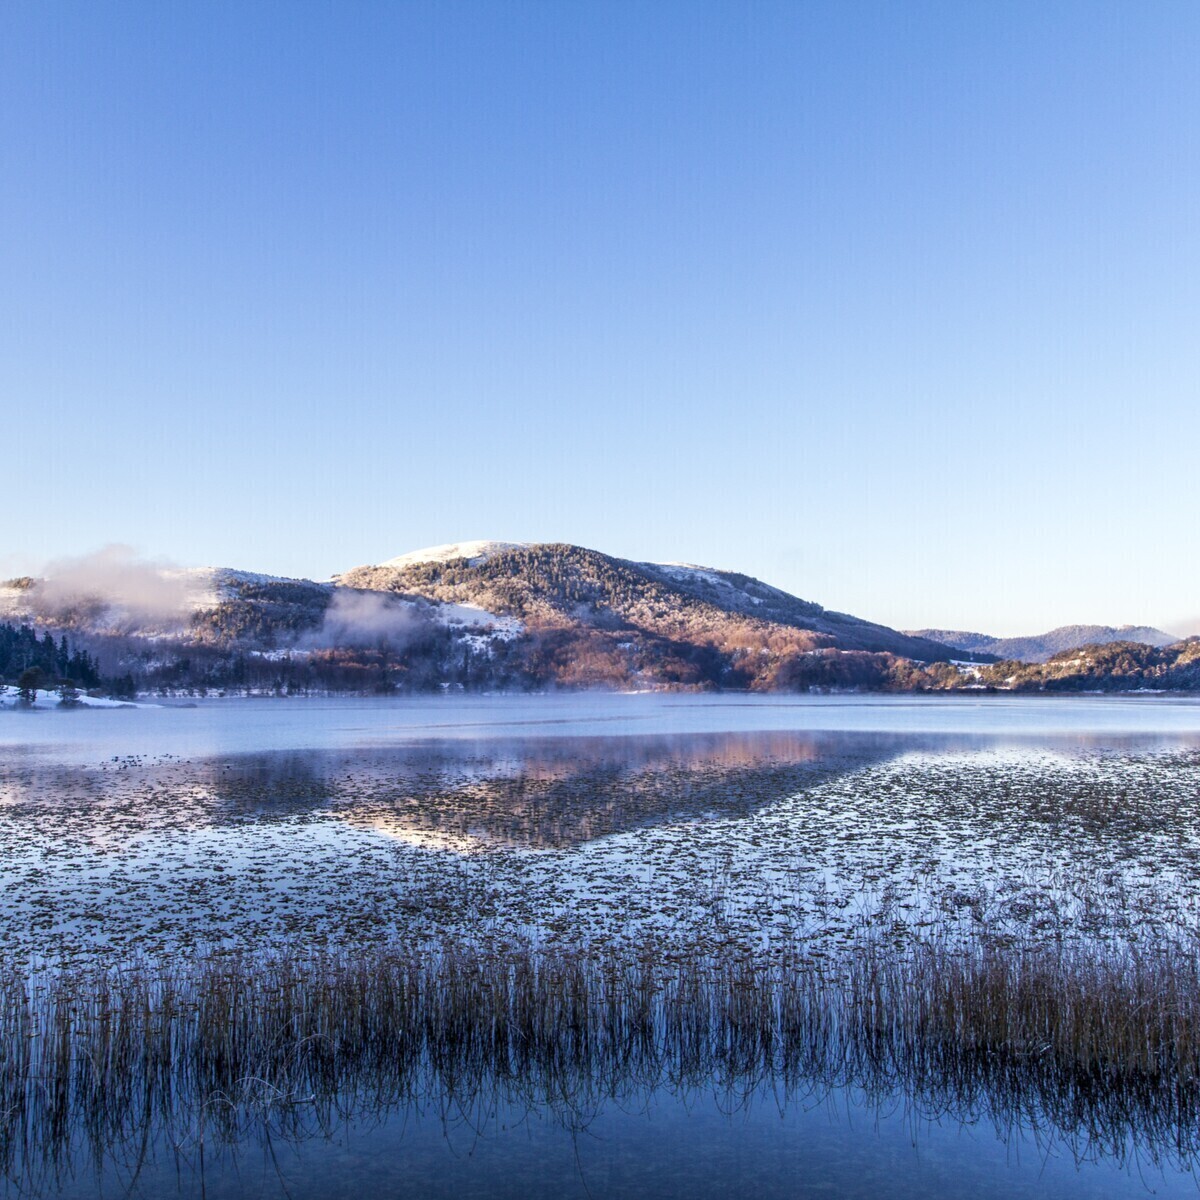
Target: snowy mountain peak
475, 552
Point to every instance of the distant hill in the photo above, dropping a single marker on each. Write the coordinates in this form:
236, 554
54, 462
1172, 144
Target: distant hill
516, 615
1040, 647
471, 614
649, 614
1110, 667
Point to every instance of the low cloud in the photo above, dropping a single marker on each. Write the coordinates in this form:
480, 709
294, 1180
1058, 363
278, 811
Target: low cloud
114, 586
356, 618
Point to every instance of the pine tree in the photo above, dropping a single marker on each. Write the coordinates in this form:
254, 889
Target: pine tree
27, 685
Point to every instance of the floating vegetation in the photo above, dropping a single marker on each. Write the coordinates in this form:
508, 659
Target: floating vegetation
756, 838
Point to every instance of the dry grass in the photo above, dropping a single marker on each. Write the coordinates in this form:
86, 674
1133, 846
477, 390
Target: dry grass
1103, 1046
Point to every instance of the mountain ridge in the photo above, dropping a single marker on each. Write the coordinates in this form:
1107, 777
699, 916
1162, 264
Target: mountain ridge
554, 579
479, 614
501, 615
1039, 648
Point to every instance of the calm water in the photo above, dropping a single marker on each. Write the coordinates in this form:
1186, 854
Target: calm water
818, 1145
568, 819
244, 726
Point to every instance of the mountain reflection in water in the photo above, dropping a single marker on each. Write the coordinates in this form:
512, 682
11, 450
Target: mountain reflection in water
529, 793
545, 793
526, 793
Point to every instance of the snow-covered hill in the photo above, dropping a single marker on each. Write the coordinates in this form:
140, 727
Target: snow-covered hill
473, 613
565, 586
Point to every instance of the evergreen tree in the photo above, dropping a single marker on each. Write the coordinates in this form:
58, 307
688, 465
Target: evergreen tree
28, 684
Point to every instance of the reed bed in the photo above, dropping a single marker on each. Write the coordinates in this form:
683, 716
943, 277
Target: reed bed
1103, 1048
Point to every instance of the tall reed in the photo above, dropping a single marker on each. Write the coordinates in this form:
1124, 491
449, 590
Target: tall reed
1105, 1045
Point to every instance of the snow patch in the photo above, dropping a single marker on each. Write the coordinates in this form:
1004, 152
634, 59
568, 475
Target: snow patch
716, 582
705, 578
50, 699
474, 617
474, 552
14, 602
691, 572
207, 587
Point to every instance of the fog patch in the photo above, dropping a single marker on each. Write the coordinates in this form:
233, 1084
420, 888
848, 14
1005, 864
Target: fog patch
113, 587
360, 619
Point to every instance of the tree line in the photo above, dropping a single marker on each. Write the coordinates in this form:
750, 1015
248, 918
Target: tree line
41, 661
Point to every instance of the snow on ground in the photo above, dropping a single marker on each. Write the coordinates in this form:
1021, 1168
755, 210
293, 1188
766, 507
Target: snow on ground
692, 573
479, 618
50, 699
1030, 845
207, 586
14, 602
706, 578
475, 552
201, 585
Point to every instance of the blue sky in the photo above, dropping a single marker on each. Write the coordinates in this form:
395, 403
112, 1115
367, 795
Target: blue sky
894, 305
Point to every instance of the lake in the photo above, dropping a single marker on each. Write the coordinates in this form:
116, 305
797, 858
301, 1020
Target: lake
611, 823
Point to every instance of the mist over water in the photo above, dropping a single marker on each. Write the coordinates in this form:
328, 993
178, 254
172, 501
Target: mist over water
247, 725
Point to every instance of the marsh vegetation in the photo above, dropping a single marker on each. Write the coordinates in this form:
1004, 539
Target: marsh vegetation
106, 1064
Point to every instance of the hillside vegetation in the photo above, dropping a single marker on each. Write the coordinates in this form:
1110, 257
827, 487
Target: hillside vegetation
563, 584
1112, 667
480, 615
590, 618
503, 615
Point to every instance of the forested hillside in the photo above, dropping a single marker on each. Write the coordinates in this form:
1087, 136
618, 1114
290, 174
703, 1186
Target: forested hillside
556, 584
515, 616
1114, 666
504, 616
23, 650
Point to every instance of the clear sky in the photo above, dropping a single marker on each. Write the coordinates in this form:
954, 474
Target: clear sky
895, 305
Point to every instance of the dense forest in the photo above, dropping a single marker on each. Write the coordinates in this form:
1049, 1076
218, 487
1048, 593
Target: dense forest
434, 656
43, 660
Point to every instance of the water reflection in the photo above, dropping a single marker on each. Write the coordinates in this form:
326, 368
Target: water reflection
529, 793
532, 793
692, 1135
539, 794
